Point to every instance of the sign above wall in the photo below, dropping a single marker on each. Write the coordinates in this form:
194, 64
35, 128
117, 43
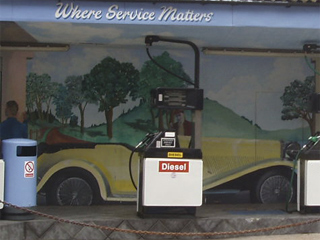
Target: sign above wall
204, 14
119, 23
119, 13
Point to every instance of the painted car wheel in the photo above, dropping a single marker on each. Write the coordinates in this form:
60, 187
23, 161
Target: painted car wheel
74, 191
274, 187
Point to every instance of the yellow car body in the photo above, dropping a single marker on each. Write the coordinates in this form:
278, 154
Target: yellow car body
224, 160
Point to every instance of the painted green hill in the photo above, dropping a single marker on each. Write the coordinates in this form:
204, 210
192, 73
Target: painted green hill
218, 121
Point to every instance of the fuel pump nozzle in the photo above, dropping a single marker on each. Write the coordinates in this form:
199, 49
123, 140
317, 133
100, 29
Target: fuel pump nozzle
313, 140
145, 140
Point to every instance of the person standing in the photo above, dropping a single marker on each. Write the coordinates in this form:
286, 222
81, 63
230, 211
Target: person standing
11, 127
182, 126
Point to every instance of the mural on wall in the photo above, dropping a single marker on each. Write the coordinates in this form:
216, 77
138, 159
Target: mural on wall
108, 99
88, 107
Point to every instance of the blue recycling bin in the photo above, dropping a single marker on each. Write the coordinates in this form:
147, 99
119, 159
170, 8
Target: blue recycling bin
20, 188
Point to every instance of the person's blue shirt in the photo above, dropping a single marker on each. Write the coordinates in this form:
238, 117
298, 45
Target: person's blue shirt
12, 128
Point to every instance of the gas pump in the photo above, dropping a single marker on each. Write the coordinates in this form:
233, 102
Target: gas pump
308, 190
170, 177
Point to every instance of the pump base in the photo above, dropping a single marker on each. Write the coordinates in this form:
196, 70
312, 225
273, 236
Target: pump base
166, 212
309, 209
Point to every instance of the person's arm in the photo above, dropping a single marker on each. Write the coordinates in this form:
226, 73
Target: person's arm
25, 125
25, 117
24, 130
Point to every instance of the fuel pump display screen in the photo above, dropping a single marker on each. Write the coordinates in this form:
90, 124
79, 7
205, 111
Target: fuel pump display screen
168, 142
178, 98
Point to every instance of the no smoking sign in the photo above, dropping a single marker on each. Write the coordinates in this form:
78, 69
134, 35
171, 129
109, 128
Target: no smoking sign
29, 169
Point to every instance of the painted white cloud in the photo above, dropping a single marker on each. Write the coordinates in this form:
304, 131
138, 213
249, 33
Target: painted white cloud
78, 61
68, 32
238, 95
285, 70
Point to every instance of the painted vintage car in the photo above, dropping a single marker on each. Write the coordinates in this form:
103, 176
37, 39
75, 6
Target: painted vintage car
85, 174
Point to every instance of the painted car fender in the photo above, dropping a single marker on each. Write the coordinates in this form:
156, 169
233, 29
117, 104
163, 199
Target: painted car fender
219, 179
77, 163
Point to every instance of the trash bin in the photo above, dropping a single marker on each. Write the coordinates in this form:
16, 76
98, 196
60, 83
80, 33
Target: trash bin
1, 184
20, 188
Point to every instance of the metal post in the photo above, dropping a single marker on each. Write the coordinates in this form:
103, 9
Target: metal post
197, 115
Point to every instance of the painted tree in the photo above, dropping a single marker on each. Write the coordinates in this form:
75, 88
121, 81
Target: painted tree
109, 84
62, 100
296, 101
78, 97
40, 92
151, 77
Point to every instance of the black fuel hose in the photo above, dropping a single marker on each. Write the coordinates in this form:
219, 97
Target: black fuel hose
291, 180
130, 167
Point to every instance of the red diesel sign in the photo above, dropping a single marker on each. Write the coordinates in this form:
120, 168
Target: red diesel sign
173, 166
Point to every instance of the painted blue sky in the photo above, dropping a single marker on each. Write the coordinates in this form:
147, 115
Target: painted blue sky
250, 86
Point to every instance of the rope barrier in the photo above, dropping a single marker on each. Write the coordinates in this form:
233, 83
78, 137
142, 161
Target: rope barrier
144, 232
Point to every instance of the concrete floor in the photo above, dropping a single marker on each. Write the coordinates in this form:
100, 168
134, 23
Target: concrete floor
229, 218
222, 216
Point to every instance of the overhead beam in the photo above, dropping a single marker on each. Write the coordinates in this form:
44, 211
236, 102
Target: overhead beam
259, 52
17, 46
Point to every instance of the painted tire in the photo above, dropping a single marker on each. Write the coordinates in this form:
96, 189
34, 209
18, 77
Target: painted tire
273, 187
74, 191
